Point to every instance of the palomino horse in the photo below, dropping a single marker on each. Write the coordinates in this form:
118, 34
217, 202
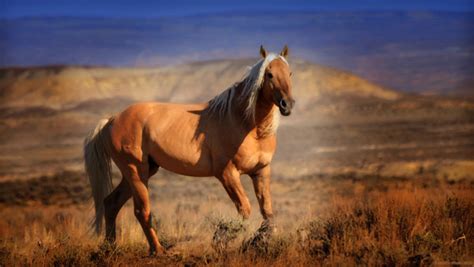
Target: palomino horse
232, 134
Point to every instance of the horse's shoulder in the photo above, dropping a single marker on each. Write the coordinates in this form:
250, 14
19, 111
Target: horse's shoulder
253, 144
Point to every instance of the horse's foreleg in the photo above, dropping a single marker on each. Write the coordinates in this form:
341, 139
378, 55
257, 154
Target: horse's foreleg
113, 203
261, 184
142, 210
231, 182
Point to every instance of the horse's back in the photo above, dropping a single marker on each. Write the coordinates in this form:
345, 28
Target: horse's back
137, 117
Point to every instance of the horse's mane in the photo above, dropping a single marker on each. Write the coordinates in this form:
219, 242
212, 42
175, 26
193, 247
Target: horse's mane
253, 80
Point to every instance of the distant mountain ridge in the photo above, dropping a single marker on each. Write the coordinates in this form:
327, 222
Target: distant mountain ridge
67, 86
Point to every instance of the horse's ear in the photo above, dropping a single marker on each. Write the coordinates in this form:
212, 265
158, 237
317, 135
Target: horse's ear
284, 53
263, 52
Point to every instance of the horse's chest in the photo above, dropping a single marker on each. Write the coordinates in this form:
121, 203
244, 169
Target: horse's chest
253, 157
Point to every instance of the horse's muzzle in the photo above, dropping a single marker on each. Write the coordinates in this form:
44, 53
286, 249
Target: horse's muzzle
285, 106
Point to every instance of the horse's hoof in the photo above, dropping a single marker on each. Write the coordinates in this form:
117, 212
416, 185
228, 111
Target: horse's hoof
157, 252
268, 227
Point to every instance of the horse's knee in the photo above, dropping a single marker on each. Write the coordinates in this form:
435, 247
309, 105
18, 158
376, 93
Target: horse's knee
142, 214
147, 218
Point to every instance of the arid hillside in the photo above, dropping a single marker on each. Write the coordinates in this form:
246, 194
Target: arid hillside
65, 87
341, 122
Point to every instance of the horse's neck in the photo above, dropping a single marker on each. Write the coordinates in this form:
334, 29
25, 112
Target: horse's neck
264, 122
266, 118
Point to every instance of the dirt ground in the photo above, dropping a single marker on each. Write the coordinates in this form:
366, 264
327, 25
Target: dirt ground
321, 220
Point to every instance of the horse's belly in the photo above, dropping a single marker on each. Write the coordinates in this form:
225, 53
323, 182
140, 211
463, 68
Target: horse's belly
181, 153
175, 146
182, 160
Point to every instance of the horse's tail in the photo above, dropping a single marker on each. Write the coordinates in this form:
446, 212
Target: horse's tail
98, 168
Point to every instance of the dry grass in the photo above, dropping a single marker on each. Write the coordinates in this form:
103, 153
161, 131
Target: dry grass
396, 227
366, 221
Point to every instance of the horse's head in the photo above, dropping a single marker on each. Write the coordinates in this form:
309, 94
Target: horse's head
277, 82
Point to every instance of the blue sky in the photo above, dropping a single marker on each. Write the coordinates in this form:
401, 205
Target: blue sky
149, 8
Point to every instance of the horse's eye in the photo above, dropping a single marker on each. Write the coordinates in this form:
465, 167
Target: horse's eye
269, 75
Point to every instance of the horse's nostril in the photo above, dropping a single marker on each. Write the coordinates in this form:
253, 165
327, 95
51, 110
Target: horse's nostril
283, 103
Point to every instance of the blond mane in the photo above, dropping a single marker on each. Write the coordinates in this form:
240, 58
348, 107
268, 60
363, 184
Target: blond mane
253, 80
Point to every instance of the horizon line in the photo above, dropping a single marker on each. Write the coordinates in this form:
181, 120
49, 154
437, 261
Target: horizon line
239, 12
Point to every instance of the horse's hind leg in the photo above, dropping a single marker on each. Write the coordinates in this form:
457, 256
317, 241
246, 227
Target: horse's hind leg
142, 207
113, 203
